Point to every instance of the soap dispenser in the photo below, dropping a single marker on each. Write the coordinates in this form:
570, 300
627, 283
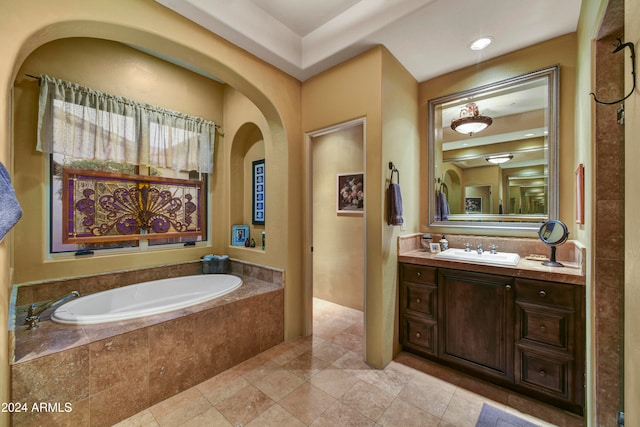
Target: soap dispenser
444, 243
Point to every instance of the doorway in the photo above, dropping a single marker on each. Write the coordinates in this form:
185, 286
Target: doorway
335, 221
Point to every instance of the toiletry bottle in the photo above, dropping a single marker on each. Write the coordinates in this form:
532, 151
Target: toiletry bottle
444, 243
264, 238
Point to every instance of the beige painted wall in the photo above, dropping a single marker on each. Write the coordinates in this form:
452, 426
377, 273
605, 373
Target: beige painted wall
374, 86
562, 51
632, 234
338, 239
94, 63
149, 25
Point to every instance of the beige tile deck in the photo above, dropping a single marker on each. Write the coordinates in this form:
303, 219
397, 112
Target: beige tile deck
323, 381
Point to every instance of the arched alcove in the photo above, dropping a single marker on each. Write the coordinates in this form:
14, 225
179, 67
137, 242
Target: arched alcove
247, 146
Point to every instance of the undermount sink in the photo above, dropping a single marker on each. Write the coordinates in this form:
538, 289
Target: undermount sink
500, 258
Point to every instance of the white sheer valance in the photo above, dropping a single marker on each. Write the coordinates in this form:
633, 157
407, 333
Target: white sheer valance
82, 123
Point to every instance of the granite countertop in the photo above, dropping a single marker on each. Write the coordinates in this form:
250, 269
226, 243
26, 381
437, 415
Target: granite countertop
571, 273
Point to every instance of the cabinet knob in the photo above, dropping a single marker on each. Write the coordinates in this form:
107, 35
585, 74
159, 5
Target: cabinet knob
543, 328
418, 300
542, 373
418, 335
418, 274
508, 287
542, 293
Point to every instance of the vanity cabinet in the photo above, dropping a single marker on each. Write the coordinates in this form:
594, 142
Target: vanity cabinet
418, 307
476, 322
550, 340
524, 334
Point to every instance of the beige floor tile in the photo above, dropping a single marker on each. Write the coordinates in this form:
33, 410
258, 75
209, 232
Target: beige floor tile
391, 381
279, 383
306, 365
367, 399
276, 416
210, 418
341, 415
245, 405
327, 350
222, 386
352, 362
180, 408
260, 371
141, 419
349, 341
307, 402
334, 382
401, 413
462, 412
429, 394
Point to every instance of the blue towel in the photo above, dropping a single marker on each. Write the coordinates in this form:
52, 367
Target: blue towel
10, 210
444, 207
394, 205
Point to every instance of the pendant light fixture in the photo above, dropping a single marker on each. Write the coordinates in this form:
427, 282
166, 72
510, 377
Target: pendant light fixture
501, 158
470, 120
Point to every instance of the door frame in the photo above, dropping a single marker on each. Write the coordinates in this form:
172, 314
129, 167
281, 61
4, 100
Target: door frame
308, 218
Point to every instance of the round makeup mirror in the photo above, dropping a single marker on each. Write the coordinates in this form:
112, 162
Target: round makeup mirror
553, 233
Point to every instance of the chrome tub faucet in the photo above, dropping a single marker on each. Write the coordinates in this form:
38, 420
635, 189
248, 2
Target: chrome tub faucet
33, 315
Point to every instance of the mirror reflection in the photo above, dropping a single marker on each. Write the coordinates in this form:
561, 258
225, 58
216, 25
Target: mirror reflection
493, 153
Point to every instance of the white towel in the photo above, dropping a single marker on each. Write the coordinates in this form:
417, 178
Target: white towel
10, 210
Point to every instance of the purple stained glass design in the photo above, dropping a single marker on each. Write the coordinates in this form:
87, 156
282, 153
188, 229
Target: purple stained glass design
103, 206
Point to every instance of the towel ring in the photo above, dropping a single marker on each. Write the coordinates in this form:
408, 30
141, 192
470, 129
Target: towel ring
393, 169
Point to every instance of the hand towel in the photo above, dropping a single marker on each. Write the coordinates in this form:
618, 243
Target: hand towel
10, 210
437, 210
394, 205
444, 207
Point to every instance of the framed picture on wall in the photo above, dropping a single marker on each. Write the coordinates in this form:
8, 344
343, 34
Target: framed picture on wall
350, 193
473, 205
258, 192
239, 234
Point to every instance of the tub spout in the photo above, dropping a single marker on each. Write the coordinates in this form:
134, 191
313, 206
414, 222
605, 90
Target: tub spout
33, 316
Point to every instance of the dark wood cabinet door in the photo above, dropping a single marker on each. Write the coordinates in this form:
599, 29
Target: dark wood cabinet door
476, 322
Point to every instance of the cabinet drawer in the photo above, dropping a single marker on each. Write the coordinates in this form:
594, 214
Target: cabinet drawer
419, 334
545, 293
419, 274
544, 373
420, 299
541, 325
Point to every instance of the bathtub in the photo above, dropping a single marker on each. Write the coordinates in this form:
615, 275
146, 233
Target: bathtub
145, 299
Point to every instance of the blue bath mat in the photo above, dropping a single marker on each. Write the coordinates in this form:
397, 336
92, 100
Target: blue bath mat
494, 417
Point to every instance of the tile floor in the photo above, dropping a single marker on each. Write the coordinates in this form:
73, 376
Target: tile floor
323, 381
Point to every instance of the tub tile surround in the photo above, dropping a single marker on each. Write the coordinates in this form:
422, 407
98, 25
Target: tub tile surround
111, 371
571, 254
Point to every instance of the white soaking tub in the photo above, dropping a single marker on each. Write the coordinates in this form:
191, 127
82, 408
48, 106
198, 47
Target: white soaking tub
145, 299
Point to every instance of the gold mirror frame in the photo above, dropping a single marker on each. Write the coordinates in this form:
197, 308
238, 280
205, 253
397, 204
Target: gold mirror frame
497, 221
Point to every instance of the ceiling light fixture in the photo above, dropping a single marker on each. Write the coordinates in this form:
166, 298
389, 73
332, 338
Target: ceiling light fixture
502, 158
470, 120
480, 43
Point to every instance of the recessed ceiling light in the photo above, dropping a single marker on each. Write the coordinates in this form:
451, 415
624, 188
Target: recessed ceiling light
481, 43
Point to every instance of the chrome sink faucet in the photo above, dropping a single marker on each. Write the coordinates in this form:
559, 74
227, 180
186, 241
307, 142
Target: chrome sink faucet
494, 249
33, 315
467, 247
479, 249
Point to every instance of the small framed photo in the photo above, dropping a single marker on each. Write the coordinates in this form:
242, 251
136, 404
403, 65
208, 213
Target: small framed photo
239, 234
350, 193
434, 248
473, 204
258, 192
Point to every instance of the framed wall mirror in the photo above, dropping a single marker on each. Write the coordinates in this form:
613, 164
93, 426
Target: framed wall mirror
493, 154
